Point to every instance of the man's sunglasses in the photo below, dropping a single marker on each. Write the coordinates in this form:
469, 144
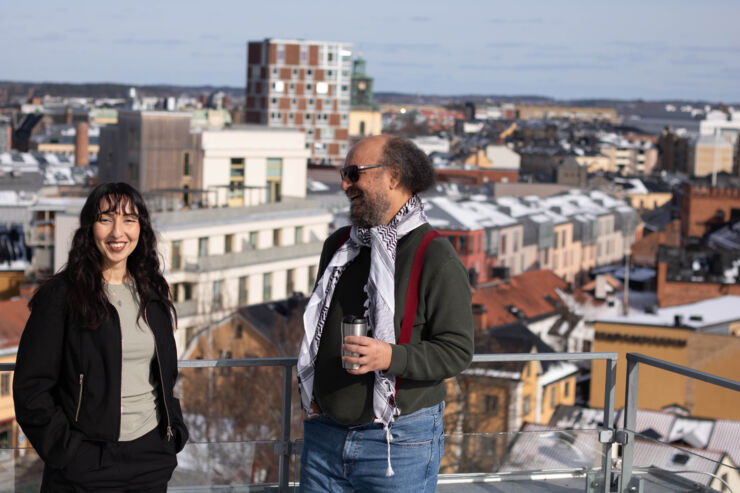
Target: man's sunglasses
353, 172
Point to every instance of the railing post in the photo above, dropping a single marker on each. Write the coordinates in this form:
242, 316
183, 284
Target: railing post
630, 420
284, 465
610, 378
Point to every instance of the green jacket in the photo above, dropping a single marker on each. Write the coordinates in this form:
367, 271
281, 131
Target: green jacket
441, 342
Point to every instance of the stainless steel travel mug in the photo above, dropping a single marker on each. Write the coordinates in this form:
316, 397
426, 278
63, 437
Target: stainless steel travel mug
352, 326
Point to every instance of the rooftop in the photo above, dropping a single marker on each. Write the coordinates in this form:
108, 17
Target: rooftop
699, 316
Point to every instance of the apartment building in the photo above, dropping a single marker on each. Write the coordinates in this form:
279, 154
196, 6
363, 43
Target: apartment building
303, 85
160, 154
568, 233
219, 259
699, 335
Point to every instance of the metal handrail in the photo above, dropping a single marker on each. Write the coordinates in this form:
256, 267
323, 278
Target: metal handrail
630, 402
284, 447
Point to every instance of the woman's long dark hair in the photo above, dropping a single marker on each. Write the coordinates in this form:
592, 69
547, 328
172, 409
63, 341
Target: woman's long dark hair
83, 271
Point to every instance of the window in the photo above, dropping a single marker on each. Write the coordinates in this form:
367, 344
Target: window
186, 194
203, 247
243, 290
515, 246
462, 242
253, 239
228, 243
562, 239
217, 294
274, 178
5, 384
298, 238
527, 406
322, 88
290, 285
267, 286
490, 404
187, 289
176, 259
276, 237
552, 397
186, 163
236, 181
133, 171
503, 244
566, 389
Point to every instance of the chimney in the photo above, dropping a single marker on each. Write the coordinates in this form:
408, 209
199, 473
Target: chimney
82, 141
68, 116
480, 317
226, 101
10, 136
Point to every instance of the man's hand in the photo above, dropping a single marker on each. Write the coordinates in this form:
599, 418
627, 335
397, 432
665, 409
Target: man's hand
374, 354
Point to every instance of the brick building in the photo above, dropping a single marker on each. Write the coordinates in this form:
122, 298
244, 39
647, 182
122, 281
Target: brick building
704, 208
304, 85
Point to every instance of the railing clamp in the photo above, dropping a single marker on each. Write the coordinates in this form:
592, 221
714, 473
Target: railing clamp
622, 437
282, 448
606, 436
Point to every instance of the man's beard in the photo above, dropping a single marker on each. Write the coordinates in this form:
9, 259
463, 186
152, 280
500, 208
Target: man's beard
369, 211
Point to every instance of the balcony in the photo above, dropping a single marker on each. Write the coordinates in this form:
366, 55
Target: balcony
254, 444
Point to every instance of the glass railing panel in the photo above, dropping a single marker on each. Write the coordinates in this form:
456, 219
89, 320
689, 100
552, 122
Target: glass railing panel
234, 415
566, 457
689, 469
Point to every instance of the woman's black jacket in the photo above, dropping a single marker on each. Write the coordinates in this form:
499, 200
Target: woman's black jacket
67, 384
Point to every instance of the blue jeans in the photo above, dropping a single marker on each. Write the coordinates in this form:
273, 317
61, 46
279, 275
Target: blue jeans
337, 458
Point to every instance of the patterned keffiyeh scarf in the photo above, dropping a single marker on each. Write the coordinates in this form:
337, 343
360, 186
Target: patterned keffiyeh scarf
379, 307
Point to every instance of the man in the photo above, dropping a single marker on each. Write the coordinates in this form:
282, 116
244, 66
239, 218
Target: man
378, 428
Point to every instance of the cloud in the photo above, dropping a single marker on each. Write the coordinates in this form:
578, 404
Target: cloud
50, 37
406, 64
149, 41
537, 67
711, 49
401, 47
531, 20
692, 60
508, 44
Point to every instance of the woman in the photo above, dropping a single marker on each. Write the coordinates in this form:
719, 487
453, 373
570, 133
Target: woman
97, 363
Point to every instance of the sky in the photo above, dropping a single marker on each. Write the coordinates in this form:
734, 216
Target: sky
566, 49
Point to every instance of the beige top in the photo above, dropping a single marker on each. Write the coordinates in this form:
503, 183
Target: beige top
138, 385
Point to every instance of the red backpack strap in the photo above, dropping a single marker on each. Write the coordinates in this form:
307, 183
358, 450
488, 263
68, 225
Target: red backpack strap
343, 239
412, 293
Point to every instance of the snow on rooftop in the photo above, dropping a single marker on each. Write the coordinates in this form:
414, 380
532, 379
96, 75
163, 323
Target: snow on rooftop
466, 218
317, 186
698, 316
558, 372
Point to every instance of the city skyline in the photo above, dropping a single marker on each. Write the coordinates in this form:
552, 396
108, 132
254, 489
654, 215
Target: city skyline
566, 50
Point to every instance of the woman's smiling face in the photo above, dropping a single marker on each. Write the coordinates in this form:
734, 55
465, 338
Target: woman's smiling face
116, 234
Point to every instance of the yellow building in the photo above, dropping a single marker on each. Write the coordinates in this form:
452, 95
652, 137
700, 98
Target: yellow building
709, 155
696, 335
13, 316
527, 112
365, 122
